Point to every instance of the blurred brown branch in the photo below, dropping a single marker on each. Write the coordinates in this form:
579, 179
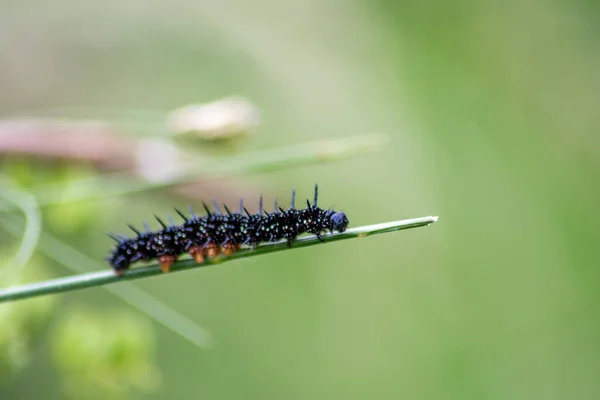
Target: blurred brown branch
95, 143
92, 142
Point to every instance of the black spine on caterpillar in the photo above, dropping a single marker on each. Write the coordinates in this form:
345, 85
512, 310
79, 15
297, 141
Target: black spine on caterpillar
222, 229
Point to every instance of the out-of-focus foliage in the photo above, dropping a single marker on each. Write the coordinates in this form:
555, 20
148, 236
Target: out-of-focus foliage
22, 323
492, 112
104, 355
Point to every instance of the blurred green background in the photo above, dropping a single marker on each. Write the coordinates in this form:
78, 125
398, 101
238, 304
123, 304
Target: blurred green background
492, 113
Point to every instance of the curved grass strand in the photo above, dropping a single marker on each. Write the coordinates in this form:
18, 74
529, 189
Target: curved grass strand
27, 203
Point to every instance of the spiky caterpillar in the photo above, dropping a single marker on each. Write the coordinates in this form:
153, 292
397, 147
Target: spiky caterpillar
217, 232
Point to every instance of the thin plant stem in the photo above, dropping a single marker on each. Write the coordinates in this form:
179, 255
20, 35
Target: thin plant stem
108, 277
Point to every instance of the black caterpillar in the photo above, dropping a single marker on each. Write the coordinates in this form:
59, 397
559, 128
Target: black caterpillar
216, 232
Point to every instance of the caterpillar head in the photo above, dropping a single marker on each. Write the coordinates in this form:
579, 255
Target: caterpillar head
338, 221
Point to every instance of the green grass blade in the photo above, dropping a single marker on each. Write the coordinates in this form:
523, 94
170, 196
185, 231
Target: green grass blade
108, 276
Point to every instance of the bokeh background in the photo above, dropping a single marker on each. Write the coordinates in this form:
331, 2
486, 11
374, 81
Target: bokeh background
492, 115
